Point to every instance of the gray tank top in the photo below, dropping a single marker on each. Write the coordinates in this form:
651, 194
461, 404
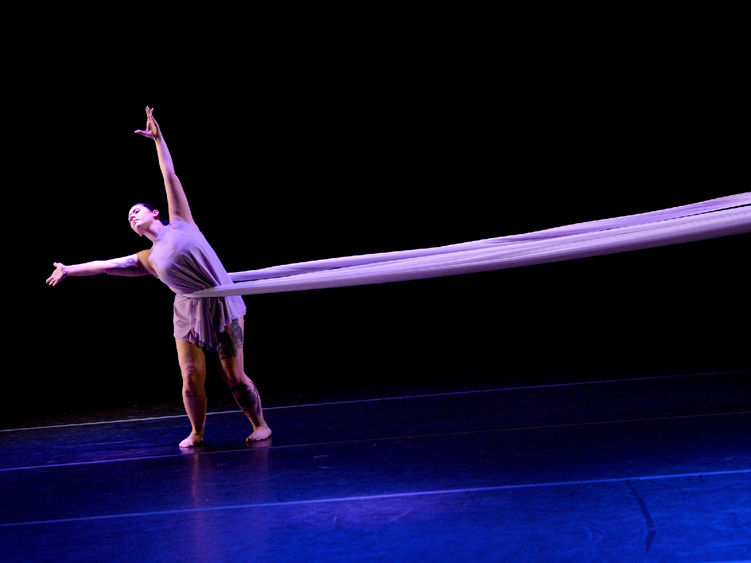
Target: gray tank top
185, 261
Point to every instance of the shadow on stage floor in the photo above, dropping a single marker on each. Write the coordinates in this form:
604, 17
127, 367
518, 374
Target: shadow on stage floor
644, 468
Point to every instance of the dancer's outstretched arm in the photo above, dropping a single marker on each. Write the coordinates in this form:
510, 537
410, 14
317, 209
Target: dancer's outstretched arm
177, 203
133, 265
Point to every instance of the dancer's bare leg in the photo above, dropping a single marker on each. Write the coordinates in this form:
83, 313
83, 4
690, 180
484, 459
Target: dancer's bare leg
243, 389
193, 368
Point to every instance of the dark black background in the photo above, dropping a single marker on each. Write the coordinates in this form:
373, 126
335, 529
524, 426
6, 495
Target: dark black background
305, 136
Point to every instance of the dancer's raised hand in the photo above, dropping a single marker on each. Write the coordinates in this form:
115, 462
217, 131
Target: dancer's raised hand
152, 127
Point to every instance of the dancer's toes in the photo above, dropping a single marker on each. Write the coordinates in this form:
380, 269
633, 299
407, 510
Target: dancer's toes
192, 441
261, 433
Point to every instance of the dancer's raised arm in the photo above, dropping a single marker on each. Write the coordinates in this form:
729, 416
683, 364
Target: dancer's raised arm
177, 203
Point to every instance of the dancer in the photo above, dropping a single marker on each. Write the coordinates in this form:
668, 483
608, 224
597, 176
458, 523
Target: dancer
181, 257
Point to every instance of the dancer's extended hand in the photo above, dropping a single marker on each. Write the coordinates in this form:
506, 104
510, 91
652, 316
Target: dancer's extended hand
58, 275
152, 127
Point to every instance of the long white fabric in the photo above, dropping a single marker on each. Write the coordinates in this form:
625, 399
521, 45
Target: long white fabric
704, 220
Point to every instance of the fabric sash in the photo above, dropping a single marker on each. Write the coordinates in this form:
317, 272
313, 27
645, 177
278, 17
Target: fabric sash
704, 220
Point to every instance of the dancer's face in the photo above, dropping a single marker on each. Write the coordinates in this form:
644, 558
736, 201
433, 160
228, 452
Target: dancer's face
140, 217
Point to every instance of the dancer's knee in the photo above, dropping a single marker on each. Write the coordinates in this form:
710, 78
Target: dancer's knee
193, 377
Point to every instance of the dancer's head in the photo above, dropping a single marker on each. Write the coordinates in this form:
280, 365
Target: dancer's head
141, 216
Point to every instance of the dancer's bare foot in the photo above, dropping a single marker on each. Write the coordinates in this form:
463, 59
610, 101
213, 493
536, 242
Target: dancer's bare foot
192, 441
262, 432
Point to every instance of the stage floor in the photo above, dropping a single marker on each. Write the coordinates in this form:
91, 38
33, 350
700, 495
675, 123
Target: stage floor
645, 468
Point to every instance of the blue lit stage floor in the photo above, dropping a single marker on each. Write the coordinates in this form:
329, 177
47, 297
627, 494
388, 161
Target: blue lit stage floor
653, 468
